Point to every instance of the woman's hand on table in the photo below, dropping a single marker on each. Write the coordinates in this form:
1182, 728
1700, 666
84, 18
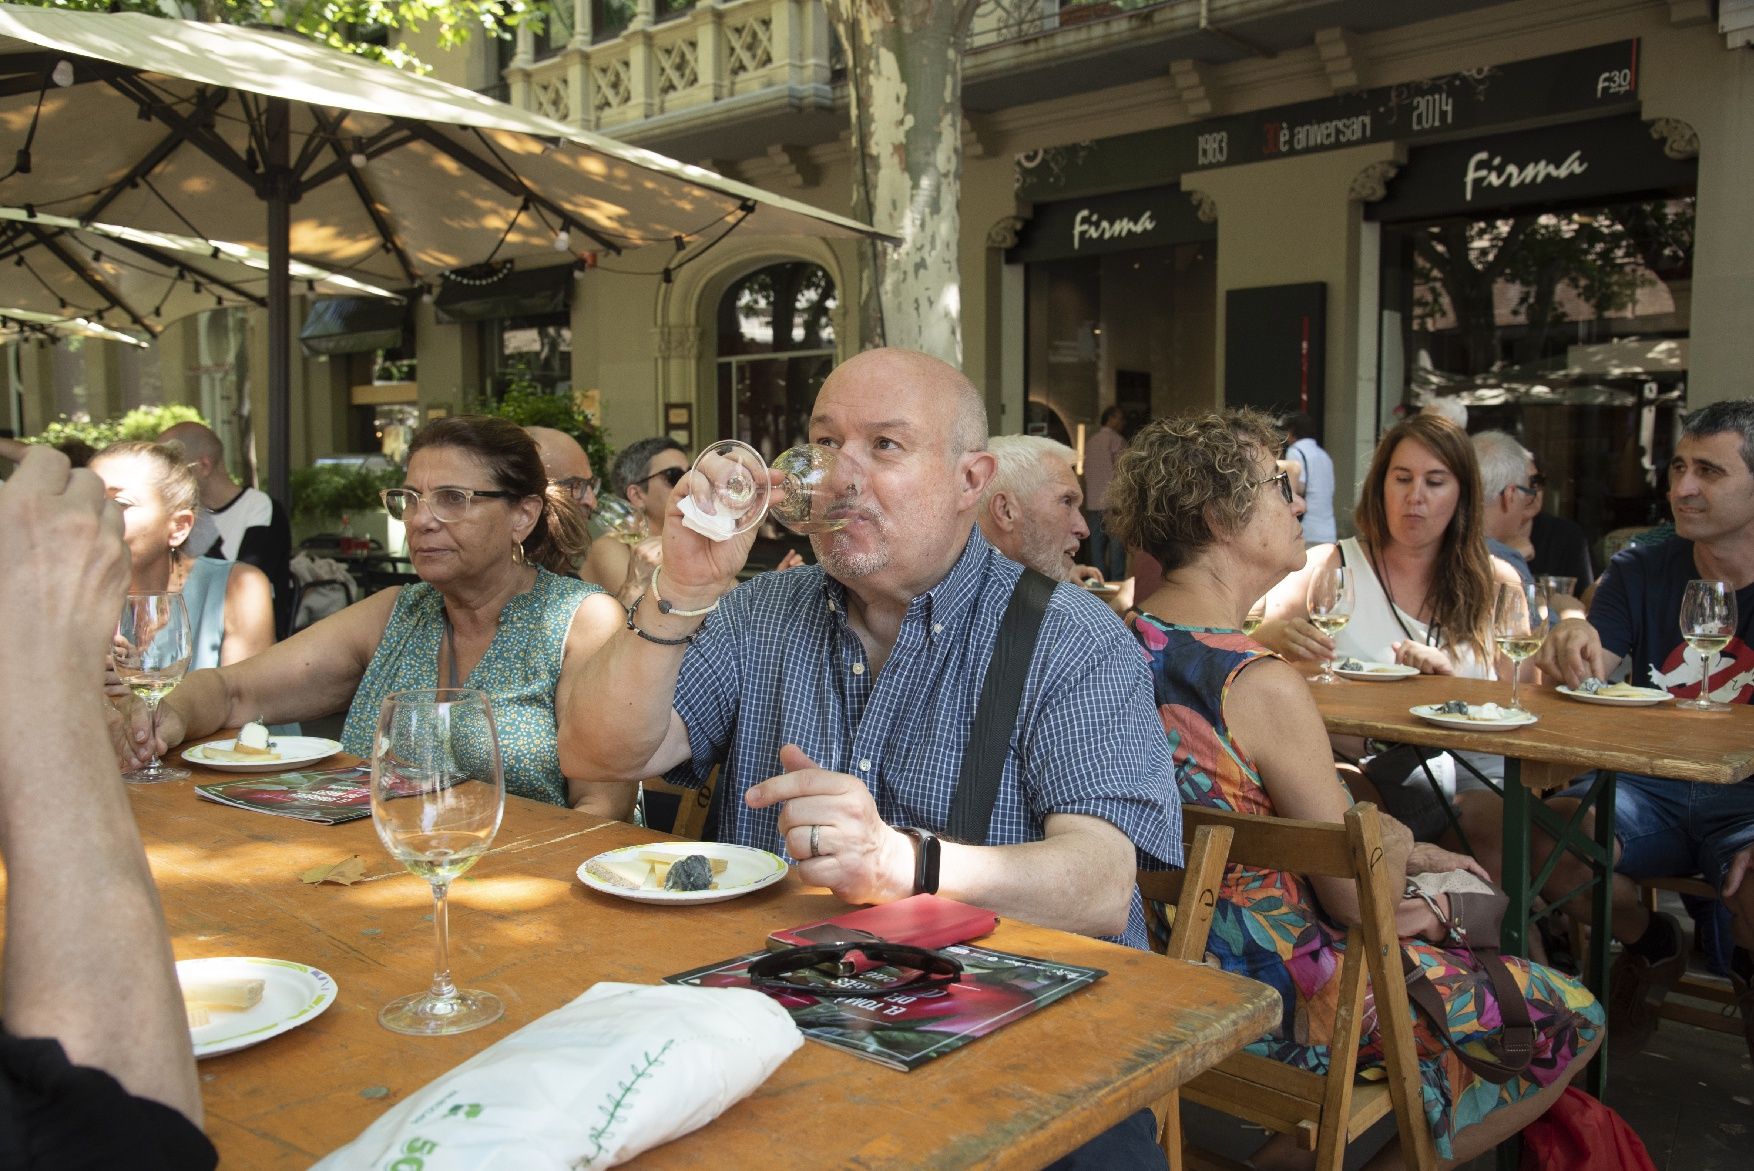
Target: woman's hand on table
857, 856
1431, 660
140, 745
1296, 639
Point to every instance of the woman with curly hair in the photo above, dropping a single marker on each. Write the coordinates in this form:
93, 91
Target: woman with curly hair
1204, 496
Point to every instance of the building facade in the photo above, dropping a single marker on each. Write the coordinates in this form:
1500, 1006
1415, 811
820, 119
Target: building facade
1336, 205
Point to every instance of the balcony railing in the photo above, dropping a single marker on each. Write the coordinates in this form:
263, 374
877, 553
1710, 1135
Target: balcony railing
658, 63
998, 21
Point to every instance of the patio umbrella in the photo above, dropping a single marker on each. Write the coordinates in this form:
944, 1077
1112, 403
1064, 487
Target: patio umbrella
18, 325
265, 139
55, 270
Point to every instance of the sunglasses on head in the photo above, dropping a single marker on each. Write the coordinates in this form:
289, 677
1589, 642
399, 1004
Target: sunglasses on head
671, 476
792, 970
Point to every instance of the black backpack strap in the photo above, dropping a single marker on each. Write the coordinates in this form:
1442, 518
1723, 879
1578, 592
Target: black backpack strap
977, 788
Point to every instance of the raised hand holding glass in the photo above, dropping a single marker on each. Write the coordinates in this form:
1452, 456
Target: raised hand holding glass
732, 488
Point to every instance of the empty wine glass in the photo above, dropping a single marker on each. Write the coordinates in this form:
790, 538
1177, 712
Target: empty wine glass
733, 488
618, 520
437, 797
151, 655
1330, 608
1519, 626
1708, 623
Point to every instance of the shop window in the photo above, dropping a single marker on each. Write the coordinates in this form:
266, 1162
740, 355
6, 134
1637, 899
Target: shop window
1130, 327
775, 348
524, 350
1567, 328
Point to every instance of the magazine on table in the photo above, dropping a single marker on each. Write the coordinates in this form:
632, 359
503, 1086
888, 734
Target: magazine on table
328, 796
904, 1030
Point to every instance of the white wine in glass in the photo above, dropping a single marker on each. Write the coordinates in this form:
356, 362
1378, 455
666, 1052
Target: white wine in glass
1708, 623
1519, 626
438, 793
1329, 601
618, 520
152, 651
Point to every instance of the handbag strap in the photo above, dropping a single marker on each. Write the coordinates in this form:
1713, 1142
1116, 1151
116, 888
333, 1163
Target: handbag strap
1517, 1036
983, 760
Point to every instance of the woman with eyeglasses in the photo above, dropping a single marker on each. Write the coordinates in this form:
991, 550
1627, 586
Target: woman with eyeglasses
230, 604
1204, 497
496, 609
644, 473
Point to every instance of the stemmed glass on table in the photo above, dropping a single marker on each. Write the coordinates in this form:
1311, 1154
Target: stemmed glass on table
437, 796
151, 655
1519, 627
732, 481
1329, 601
1708, 623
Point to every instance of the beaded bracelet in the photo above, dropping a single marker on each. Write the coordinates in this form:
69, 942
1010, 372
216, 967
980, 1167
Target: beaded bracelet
683, 641
666, 608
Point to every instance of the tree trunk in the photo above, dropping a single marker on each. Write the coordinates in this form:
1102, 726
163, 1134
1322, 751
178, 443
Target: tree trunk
904, 66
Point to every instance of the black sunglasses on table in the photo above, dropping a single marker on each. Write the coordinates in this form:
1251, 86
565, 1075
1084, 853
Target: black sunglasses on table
931, 969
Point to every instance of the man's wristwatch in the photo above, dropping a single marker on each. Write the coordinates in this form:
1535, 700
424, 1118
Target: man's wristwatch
925, 859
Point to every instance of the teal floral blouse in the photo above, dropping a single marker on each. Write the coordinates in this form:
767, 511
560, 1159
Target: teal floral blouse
519, 672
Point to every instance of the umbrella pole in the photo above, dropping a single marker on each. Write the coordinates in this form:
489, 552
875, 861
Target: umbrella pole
279, 183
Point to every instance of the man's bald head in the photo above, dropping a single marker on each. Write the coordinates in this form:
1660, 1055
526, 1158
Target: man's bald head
197, 442
562, 457
952, 398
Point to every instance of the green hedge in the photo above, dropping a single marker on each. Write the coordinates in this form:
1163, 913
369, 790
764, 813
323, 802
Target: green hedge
139, 423
331, 491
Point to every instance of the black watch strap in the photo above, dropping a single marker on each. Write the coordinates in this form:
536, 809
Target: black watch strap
925, 859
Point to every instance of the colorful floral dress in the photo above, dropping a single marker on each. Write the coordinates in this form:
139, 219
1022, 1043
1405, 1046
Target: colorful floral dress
1268, 925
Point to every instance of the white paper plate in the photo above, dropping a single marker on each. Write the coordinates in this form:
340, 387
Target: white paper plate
1429, 713
1647, 697
1378, 672
1103, 588
746, 870
291, 995
295, 751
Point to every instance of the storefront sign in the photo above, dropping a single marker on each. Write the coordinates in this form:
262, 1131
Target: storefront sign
1111, 223
1605, 158
1602, 79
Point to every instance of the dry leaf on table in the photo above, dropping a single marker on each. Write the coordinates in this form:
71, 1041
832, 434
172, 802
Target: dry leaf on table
346, 872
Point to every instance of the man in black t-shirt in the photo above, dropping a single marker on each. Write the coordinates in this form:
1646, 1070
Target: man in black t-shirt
1665, 827
95, 1067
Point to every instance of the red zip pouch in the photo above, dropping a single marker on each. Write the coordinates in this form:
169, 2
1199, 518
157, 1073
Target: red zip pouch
920, 920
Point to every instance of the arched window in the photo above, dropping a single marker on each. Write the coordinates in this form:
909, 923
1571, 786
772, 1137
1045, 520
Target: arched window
776, 345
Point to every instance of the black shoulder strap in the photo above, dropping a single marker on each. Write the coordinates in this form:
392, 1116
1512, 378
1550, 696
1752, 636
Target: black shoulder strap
971, 810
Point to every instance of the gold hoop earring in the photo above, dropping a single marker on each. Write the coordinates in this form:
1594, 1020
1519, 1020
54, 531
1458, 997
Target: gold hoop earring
518, 557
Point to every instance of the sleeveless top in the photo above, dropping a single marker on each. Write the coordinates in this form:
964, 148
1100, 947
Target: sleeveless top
519, 673
204, 598
1374, 626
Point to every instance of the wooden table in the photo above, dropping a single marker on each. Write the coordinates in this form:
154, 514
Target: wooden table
524, 927
1571, 738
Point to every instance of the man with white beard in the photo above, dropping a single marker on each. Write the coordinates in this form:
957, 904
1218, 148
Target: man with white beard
1032, 510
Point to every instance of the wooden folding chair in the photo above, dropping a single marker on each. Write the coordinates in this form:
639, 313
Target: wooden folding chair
692, 806
1191, 896
1323, 1113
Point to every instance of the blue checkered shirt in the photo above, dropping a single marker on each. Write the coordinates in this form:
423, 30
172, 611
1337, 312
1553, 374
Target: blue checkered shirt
778, 664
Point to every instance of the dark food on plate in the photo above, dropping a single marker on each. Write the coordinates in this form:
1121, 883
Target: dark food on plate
694, 872
1453, 707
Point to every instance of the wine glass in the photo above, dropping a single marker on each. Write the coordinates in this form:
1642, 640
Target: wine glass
151, 655
618, 520
437, 796
1251, 621
1519, 626
1330, 609
733, 488
1708, 623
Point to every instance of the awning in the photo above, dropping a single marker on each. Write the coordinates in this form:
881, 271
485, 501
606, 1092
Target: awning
353, 325
484, 294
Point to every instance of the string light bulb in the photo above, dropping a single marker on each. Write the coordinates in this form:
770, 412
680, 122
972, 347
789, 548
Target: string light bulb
62, 73
359, 158
562, 240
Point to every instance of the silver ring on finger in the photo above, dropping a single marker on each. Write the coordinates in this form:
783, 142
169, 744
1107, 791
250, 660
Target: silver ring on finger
816, 841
